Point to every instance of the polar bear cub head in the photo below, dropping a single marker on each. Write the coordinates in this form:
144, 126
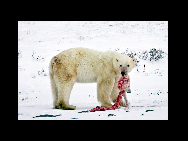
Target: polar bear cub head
123, 64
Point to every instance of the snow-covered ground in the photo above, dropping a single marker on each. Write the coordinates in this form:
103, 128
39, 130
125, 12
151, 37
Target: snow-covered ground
38, 42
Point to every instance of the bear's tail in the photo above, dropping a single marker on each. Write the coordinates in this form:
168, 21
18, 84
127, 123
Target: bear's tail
54, 61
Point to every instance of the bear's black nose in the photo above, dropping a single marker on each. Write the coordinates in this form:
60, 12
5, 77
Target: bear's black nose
122, 73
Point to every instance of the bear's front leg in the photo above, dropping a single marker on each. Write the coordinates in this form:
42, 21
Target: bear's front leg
104, 88
115, 92
127, 104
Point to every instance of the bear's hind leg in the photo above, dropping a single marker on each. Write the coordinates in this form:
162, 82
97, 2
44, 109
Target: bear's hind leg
64, 91
54, 91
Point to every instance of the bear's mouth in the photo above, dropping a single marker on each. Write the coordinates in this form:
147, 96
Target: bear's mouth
123, 73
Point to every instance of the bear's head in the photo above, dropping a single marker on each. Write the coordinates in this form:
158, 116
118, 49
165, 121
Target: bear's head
123, 64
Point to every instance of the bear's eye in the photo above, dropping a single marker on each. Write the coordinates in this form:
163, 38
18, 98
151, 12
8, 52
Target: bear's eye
120, 65
117, 60
127, 65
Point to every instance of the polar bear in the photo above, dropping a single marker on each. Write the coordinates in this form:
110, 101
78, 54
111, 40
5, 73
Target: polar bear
84, 65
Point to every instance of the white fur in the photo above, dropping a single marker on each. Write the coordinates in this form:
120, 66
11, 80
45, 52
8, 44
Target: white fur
84, 65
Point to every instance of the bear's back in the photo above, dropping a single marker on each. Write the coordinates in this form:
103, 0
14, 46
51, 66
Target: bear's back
86, 62
80, 55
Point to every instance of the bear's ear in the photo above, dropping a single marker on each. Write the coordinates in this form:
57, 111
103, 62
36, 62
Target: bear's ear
117, 60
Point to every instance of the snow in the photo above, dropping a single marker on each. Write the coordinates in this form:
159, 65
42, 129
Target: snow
39, 41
